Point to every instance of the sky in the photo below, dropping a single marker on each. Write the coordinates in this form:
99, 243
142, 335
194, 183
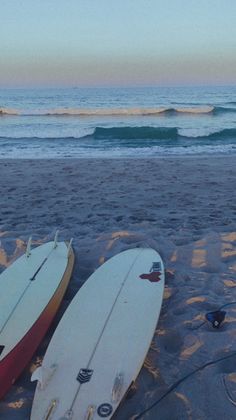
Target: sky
117, 43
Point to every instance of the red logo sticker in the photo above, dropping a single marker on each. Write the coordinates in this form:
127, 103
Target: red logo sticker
154, 273
154, 277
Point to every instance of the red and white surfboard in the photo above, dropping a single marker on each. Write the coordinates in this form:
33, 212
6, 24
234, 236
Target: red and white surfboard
31, 291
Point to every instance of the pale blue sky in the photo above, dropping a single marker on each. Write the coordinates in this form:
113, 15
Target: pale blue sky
125, 42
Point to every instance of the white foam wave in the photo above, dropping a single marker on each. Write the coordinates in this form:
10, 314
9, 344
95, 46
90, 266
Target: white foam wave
109, 111
197, 132
129, 111
196, 110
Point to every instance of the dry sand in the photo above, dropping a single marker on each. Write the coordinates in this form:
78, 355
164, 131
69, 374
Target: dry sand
183, 207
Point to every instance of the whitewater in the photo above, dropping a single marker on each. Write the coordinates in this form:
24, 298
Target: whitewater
117, 122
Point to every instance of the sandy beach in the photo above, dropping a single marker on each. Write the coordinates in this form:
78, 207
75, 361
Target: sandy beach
185, 208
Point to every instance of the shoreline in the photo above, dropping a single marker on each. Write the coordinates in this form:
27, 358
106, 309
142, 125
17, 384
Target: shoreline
185, 208
203, 155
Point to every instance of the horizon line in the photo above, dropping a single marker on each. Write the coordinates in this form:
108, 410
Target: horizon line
120, 86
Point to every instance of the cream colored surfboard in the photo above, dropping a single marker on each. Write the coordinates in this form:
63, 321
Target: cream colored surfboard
31, 291
101, 342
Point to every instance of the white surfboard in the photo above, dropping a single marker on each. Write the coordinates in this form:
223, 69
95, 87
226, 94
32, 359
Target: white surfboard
101, 342
31, 290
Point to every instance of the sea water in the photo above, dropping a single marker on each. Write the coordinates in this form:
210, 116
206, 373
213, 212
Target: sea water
117, 122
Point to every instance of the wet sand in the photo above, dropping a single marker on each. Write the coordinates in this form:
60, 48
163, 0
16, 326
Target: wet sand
185, 208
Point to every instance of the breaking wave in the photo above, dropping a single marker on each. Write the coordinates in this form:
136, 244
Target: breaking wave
227, 133
222, 110
156, 133
130, 133
135, 133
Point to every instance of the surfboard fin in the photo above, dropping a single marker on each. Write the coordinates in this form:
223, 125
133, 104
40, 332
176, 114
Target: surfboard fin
56, 239
67, 416
37, 375
117, 387
51, 409
43, 375
90, 412
69, 247
28, 249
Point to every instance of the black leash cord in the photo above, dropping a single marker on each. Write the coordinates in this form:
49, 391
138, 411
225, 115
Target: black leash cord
176, 384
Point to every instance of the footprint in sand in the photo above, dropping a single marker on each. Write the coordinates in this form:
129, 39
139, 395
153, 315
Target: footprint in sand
171, 341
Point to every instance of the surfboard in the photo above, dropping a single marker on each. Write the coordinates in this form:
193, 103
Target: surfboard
102, 339
31, 291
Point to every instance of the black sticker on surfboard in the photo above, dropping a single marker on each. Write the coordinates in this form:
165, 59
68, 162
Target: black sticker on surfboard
104, 410
1, 349
156, 266
84, 375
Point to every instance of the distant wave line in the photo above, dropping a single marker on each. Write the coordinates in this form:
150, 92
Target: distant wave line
109, 112
103, 112
7, 111
132, 111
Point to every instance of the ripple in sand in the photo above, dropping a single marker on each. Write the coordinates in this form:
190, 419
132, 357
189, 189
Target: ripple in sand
16, 404
167, 292
192, 348
229, 283
199, 258
195, 299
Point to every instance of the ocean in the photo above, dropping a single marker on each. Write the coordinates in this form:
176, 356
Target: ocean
117, 122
